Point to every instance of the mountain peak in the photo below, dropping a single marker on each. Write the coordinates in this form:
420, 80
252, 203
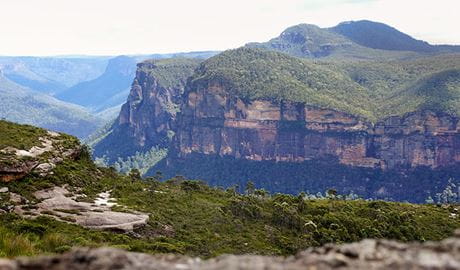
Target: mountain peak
378, 35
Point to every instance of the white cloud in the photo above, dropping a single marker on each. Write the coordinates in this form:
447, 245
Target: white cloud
50, 27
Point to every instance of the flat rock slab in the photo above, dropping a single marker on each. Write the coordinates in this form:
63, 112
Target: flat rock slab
364, 255
111, 220
59, 201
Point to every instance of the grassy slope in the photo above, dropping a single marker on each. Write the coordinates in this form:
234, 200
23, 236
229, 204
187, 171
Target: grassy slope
191, 218
19, 136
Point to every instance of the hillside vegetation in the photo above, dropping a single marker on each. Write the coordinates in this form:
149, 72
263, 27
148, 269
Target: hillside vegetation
371, 89
259, 74
189, 217
170, 72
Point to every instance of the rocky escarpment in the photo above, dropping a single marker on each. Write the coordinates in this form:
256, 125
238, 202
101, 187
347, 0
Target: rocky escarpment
290, 147
151, 107
148, 116
367, 254
216, 123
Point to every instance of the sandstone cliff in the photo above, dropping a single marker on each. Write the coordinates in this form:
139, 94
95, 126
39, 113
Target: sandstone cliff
148, 116
289, 147
214, 122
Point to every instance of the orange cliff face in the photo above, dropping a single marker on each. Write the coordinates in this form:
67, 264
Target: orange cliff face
214, 123
145, 114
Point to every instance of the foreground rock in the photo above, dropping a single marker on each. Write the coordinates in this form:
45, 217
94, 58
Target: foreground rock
367, 254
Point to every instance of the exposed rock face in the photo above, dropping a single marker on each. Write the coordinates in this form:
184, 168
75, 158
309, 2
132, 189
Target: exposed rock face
148, 116
215, 123
149, 112
367, 254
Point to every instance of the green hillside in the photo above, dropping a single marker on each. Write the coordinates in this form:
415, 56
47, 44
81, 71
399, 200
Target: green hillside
370, 89
188, 217
260, 74
439, 92
171, 72
392, 85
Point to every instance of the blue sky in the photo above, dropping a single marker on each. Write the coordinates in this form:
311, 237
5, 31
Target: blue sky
108, 27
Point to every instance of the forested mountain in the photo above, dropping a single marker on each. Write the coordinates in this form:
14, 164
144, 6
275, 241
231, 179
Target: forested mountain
318, 137
340, 95
355, 40
381, 36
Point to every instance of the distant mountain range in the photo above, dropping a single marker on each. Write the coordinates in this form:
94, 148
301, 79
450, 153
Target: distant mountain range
97, 85
51, 75
109, 89
23, 105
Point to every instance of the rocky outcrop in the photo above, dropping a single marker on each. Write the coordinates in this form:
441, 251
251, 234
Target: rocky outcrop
41, 159
365, 255
213, 122
66, 206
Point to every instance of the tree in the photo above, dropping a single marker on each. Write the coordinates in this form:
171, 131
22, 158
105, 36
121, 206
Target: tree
135, 174
260, 192
429, 200
158, 176
250, 187
331, 193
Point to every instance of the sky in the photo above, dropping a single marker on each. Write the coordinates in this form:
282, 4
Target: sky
113, 27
